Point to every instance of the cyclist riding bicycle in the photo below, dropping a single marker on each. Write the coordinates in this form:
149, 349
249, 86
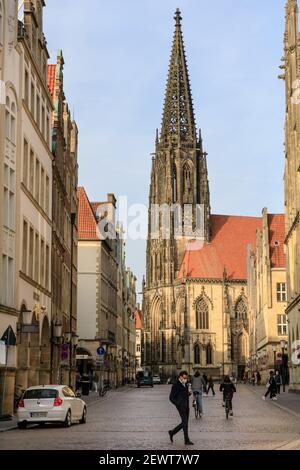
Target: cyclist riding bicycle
198, 385
228, 389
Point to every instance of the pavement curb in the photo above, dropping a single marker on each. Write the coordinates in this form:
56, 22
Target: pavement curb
91, 403
292, 445
282, 407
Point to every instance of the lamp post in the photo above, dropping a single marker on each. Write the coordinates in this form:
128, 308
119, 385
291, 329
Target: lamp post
283, 345
274, 355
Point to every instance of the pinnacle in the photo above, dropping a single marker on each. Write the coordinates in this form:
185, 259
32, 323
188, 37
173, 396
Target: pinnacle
178, 115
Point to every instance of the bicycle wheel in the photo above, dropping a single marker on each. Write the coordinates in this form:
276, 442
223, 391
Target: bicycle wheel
227, 408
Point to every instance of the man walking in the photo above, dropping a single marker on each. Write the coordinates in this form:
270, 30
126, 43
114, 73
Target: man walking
179, 396
198, 385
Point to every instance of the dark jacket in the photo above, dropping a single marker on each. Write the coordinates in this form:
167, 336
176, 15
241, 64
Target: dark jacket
228, 388
179, 395
272, 383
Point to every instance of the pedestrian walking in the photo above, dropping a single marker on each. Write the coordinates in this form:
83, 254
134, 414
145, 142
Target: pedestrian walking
258, 378
253, 379
205, 381
278, 380
179, 397
272, 387
198, 386
210, 385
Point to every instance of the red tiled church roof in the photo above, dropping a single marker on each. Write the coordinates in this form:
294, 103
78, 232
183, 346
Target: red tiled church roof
276, 240
87, 226
51, 78
226, 251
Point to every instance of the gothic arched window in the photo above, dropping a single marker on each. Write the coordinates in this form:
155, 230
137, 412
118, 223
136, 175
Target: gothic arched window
202, 315
163, 347
241, 311
187, 184
10, 120
174, 184
197, 354
209, 358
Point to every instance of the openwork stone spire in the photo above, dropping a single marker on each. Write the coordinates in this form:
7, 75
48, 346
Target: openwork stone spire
178, 115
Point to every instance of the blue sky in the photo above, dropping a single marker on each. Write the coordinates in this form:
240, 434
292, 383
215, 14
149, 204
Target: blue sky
116, 59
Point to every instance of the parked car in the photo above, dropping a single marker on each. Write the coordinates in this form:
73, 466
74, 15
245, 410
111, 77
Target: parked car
144, 380
50, 403
156, 379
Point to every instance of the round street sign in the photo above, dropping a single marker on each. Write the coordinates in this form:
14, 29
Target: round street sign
100, 351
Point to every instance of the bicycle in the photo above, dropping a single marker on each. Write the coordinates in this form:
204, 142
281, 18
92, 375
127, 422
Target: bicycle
227, 406
104, 389
196, 406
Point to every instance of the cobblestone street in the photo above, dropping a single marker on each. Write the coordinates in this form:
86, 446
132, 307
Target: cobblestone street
140, 418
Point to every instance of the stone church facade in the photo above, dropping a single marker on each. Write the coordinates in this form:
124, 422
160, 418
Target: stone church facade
195, 307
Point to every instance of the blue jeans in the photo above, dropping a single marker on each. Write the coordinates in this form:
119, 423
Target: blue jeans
198, 398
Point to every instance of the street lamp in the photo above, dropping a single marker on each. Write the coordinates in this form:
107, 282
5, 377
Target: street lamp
283, 345
274, 355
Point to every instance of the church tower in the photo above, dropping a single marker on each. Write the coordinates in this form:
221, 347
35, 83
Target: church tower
178, 179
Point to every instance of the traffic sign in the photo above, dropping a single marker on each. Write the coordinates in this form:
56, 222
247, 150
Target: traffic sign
100, 351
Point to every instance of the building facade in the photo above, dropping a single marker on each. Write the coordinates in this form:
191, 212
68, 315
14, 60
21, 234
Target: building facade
34, 293
64, 229
106, 296
266, 292
10, 123
291, 75
195, 304
139, 336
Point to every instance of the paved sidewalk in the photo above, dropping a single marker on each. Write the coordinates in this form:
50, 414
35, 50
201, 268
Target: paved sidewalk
91, 399
289, 402
8, 425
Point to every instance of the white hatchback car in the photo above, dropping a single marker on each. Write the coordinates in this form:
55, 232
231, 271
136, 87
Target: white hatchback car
48, 404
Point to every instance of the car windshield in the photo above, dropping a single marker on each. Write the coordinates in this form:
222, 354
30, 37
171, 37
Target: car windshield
40, 393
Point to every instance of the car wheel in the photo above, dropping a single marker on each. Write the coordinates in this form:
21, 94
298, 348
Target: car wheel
68, 421
22, 425
83, 418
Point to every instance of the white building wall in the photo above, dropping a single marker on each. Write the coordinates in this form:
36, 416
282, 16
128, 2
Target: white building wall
88, 274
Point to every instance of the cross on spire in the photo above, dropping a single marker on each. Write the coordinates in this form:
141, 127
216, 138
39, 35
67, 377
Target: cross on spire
178, 114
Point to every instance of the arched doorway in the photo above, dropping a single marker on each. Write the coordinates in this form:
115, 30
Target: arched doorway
22, 355
45, 362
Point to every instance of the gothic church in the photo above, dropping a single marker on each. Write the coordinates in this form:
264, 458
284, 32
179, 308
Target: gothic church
195, 308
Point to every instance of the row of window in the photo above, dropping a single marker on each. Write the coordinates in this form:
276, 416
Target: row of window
282, 325
208, 355
35, 178
36, 103
7, 280
281, 292
10, 120
36, 256
9, 197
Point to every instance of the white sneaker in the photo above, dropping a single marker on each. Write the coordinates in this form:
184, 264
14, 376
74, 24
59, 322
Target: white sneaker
274, 398
263, 397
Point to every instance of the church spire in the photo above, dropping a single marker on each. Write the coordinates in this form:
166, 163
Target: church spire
178, 114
